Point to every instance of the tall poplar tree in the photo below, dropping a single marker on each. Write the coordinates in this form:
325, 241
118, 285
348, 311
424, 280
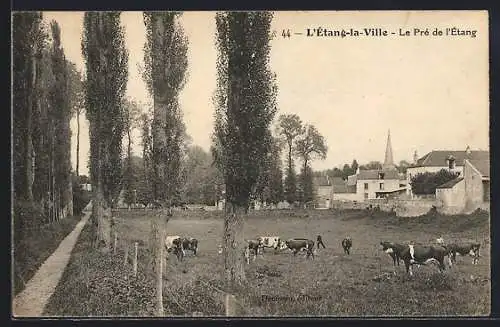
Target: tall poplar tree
106, 60
245, 106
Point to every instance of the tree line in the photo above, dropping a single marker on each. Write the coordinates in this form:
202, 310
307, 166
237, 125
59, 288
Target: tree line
46, 96
244, 160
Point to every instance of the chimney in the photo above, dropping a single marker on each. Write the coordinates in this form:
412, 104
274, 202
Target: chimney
415, 157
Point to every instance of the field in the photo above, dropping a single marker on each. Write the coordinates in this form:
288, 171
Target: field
334, 284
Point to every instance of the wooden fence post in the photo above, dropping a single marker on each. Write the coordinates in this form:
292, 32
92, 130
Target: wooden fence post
114, 244
230, 305
125, 258
135, 259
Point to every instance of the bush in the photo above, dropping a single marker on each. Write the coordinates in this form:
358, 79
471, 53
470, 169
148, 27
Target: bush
28, 216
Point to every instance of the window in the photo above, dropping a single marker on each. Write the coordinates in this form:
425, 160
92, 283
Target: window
366, 186
366, 196
381, 175
381, 186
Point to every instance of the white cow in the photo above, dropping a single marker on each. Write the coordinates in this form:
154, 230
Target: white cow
273, 242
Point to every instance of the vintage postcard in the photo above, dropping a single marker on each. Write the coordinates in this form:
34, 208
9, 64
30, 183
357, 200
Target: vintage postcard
250, 164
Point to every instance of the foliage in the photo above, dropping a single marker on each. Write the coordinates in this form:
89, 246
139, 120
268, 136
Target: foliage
309, 146
289, 128
200, 177
59, 102
80, 197
131, 120
245, 100
306, 186
269, 186
165, 65
34, 241
106, 59
372, 165
403, 166
426, 183
28, 40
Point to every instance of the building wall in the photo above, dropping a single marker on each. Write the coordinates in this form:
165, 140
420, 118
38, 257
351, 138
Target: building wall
451, 200
412, 171
346, 197
324, 196
474, 192
374, 186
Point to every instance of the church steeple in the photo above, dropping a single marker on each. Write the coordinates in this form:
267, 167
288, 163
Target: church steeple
389, 161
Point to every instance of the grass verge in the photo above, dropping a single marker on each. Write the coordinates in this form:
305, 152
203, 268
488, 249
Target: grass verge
33, 247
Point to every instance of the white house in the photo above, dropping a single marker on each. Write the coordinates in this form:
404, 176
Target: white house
434, 161
468, 192
373, 184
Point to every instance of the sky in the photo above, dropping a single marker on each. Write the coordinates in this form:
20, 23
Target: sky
431, 92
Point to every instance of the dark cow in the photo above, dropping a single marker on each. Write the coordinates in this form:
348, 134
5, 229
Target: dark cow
300, 244
178, 248
394, 250
189, 243
471, 249
422, 255
346, 245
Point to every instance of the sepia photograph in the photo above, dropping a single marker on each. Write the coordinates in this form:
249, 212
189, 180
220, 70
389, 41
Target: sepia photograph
239, 164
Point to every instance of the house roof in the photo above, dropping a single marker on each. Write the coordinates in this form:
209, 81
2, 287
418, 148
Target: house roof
438, 158
451, 183
483, 166
374, 173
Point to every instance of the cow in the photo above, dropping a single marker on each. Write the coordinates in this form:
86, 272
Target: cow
174, 243
346, 245
394, 250
421, 255
273, 242
189, 243
301, 244
471, 249
252, 247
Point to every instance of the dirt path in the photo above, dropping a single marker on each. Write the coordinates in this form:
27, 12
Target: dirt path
32, 300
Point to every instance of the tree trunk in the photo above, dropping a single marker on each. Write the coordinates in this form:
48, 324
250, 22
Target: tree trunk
78, 145
234, 271
32, 98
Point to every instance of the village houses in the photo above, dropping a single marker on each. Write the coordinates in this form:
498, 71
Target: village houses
469, 191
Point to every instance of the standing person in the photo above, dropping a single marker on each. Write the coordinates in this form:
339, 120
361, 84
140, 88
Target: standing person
320, 241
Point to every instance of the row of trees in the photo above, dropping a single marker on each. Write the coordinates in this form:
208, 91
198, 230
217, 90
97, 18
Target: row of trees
46, 88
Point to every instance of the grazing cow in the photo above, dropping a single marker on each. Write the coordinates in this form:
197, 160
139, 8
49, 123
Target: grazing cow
301, 244
394, 250
252, 247
273, 242
189, 243
471, 249
174, 243
346, 245
422, 255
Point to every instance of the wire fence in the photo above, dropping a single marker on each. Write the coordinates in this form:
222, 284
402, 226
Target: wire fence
131, 252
